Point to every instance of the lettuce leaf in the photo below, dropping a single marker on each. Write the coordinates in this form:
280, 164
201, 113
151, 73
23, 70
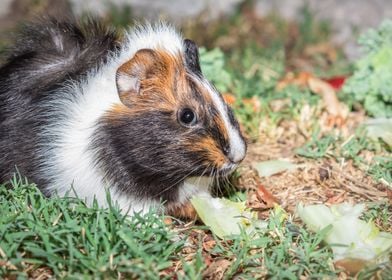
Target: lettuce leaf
225, 217
349, 236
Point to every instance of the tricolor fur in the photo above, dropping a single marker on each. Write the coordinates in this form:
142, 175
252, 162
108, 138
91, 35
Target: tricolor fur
82, 108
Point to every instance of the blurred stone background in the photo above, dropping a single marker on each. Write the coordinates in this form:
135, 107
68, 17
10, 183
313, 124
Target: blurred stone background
347, 17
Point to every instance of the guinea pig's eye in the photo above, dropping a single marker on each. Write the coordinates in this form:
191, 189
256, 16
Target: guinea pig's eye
187, 117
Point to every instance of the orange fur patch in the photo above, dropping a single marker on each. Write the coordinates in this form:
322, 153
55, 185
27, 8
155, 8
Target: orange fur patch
182, 211
210, 148
161, 77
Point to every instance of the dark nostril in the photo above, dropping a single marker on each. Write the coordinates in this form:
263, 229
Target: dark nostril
226, 150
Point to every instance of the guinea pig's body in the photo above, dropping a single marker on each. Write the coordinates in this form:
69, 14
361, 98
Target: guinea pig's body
82, 112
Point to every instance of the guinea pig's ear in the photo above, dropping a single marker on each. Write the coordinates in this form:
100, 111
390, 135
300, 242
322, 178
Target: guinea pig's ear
192, 56
131, 73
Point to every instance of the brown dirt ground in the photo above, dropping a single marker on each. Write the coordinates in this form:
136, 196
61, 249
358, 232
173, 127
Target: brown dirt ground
325, 180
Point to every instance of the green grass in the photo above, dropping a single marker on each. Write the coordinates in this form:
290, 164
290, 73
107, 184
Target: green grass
75, 241
381, 169
380, 213
318, 147
334, 146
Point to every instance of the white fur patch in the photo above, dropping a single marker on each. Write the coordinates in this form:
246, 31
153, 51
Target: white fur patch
71, 161
193, 186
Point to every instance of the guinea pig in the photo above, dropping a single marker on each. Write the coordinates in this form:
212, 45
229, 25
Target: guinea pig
84, 111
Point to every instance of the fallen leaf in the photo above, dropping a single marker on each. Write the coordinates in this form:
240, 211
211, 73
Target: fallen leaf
207, 259
253, 201
264, 195
168, 272
354, 242
336, 199
216, 270
300, 80
209, 245
380, 128
254, 102
328, 94
332, 104
229, 98
271, 167
351, 266
225, 217
336, 82
389, 195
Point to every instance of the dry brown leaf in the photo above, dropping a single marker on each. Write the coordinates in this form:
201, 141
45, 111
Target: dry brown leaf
351, 266
217, 269
208, 243
229, 98
253, 201
169, 272
254, 102
264, 195
207, 259
389, 195
335, 199
332, 104
300, 80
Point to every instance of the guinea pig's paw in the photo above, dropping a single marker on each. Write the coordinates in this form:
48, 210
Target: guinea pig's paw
183, 211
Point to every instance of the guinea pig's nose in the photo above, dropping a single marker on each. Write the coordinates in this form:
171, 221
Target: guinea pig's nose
226, 150
235, 153
236, 156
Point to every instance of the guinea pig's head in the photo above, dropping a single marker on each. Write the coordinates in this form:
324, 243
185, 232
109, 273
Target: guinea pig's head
172, 124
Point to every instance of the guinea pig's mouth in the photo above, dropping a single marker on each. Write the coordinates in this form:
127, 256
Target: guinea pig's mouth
223, 171
226, 169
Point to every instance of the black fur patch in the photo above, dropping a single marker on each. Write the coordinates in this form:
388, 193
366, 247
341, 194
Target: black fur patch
46, 55
192, 57
144, 155
232, 118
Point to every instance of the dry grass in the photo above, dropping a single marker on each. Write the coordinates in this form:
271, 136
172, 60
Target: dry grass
324, 180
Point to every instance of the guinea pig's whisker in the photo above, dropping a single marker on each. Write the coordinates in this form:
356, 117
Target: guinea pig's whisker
218, 182
214, 178
178, 181
202, 174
